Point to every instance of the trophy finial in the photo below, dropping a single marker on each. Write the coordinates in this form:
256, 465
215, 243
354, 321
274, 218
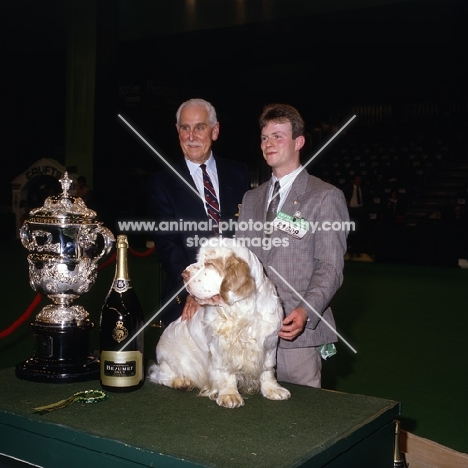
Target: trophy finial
65, 182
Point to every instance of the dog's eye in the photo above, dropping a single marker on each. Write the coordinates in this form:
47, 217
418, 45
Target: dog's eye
214, 265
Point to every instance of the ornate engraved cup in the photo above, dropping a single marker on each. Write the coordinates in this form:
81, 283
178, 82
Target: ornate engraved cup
65, 243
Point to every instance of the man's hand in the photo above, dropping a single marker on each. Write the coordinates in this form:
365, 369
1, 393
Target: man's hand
190, 307
293, 325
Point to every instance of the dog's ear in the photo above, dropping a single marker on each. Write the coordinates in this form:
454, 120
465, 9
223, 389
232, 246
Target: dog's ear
237, 283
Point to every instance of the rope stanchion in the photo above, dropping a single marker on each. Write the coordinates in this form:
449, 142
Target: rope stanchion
37, 300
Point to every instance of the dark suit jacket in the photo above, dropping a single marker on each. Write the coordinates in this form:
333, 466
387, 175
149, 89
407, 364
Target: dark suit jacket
170, 199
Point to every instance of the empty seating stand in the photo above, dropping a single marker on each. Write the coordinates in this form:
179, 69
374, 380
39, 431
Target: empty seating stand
424, 168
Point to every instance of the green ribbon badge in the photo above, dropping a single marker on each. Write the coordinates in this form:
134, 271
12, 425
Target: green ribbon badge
85, 396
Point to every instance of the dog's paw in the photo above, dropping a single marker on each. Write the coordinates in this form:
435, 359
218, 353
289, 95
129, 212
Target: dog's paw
273, 391
183, 384
230, 400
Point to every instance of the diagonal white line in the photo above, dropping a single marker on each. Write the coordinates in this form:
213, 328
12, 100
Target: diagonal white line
316, 154
313, 310
22, 462
159, 311
210, 193
162, 159
211, 216
212, 207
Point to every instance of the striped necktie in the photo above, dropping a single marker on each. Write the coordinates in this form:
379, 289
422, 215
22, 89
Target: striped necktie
273, 206
211, 202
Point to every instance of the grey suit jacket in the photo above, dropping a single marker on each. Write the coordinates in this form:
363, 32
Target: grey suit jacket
313, 265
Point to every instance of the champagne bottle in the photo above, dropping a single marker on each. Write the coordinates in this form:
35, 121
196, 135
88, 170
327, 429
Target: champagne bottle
121, 336
398, 459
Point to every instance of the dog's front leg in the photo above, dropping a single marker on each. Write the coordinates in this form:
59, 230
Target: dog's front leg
228, 395
270, 388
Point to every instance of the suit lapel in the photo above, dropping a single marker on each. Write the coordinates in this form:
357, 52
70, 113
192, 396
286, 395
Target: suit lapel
224, 183
193, 204
183, 171
293, 203
260, 206
179, 180
228, 192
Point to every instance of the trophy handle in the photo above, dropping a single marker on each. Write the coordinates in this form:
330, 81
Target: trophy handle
25, 235
109, 240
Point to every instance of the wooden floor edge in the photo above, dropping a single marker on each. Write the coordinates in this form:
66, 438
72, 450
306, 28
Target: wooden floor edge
431, 453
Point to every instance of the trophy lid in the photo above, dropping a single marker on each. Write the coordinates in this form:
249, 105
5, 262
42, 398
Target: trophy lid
63, 208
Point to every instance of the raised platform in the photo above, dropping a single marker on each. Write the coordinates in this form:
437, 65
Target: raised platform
158, 426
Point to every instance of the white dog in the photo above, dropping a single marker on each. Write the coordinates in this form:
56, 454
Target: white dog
229, 345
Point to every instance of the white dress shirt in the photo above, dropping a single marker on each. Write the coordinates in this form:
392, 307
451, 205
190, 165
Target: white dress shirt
285, 184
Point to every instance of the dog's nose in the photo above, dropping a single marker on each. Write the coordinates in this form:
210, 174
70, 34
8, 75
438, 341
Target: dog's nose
185, 275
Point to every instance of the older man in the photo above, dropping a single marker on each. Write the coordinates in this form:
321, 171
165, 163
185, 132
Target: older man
220, 185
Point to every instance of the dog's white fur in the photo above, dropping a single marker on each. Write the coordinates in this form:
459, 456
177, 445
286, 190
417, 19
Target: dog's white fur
229, 345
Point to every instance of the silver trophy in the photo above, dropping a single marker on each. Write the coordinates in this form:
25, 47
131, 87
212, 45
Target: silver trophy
65, 243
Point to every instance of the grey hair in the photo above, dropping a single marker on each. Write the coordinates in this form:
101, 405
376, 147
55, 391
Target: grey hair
199, 102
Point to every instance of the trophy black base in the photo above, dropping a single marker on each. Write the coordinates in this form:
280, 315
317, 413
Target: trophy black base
47, 371
61, 354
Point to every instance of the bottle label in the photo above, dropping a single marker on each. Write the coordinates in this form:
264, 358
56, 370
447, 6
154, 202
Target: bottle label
121, 369
119, 333
121, 285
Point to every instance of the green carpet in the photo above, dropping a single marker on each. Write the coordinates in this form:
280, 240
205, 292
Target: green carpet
157, 419
407, 323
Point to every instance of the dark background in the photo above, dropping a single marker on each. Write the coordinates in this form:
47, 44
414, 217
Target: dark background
329, 59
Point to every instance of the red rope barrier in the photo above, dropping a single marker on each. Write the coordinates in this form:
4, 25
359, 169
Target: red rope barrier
142, 254
37, 300
110, 260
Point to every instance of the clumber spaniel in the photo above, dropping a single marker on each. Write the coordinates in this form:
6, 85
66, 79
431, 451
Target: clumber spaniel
229, 345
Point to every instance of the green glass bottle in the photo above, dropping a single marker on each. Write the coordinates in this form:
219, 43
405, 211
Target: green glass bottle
120, 331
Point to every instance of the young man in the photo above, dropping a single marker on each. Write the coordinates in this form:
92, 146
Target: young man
306, 266
172, 199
